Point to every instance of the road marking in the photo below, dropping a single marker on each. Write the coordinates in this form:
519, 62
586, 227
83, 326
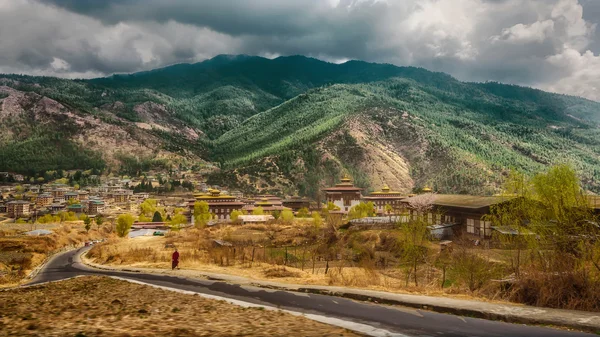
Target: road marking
358, 327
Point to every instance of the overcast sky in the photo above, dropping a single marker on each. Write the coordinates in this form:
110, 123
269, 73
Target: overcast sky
548, 44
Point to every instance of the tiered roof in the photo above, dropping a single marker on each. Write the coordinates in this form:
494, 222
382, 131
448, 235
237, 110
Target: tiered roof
266, 204
214, 197
385, 193
345, 185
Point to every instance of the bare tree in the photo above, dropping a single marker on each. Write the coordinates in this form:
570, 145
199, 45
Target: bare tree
415, 230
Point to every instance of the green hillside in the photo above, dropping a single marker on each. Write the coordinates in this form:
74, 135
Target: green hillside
294, 123
463, 140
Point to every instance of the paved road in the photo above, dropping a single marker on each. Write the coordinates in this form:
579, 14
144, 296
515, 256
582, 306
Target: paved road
407, 321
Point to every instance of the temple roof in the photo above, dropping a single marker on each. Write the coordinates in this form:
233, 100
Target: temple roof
213, 194
345, 185
385, 191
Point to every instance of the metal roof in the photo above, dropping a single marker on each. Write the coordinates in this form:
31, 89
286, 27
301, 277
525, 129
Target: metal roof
465, 201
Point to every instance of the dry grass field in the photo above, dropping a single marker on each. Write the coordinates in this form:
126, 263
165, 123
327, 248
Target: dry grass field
99, 306
20, 254
198, 254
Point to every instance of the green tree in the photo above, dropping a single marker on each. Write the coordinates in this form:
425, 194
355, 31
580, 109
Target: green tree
143, 218
148, 207
201, 213
362, 210
99, 220
235, 214
330, 207
511, 215
177, 221
287, 216
317, 219
157, 217
88, 223
258, 211
72, 202
303, 212
124, 223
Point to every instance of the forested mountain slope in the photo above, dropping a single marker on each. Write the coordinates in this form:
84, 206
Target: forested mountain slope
454, 141
293, 124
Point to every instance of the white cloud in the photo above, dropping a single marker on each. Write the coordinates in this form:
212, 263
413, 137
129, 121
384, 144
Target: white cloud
61, 40
531, 42
535, 32
582, 74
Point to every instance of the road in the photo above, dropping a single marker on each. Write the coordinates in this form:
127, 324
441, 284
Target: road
406, 321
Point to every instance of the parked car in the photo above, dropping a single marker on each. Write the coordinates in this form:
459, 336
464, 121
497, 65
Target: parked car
157, 233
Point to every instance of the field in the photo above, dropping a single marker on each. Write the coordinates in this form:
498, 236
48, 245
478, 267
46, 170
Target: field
20, 254
99, 306
286, 254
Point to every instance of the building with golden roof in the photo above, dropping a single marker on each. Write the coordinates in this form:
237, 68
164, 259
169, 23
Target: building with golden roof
385, 197
344, 195
220, 205
268, 205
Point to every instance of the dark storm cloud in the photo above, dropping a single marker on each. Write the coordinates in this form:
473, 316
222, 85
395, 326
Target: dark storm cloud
233, 17
541, 43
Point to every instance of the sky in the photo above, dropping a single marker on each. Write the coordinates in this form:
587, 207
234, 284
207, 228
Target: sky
553, 45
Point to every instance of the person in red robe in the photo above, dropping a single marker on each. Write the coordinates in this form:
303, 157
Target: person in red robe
175, 260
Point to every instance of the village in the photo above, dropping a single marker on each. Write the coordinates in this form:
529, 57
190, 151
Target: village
484, 247
447, 217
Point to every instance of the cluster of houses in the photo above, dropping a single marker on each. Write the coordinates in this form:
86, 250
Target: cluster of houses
222, 204
33, 201
447, 213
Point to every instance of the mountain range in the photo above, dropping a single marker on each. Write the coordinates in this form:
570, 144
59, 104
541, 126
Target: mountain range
292, 125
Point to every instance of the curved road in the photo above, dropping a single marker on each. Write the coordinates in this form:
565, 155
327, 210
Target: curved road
406, 321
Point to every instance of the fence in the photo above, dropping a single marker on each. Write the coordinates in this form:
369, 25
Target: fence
308, 257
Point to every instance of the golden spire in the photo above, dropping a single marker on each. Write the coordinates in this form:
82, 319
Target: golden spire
385, 188
346, 178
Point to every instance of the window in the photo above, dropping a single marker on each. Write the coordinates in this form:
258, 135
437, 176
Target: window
486, 228
470, 226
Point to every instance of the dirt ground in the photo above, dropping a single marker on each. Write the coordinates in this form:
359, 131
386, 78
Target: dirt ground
101, 306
